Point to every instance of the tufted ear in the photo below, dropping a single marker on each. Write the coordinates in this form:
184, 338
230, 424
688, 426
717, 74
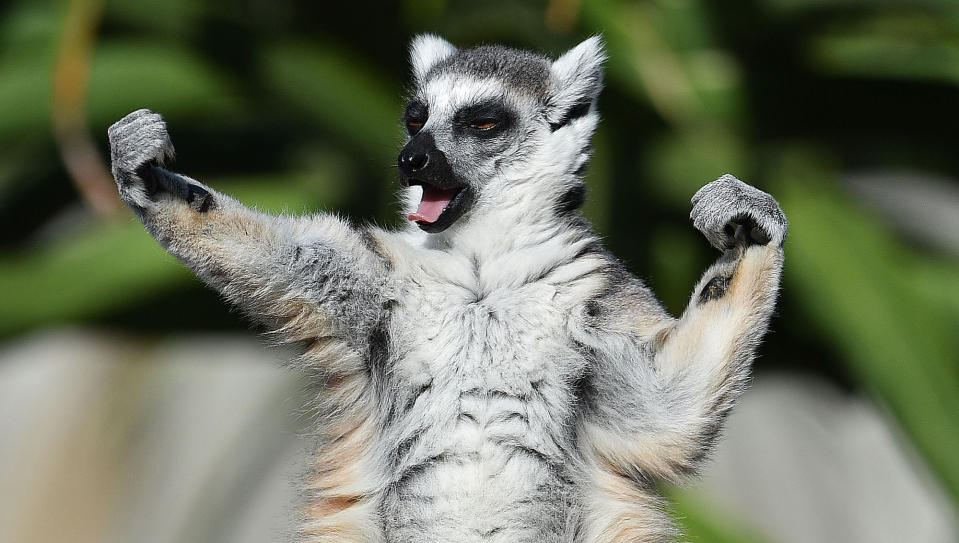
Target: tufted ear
577, 78
426, 51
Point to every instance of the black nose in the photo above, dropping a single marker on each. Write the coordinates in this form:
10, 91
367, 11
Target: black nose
413, 160
420, 159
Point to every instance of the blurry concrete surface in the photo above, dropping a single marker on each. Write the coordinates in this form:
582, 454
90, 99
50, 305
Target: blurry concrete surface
104, 438
923, 206
804, 462
110, 438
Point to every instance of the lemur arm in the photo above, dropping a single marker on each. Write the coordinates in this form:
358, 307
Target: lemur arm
304, 276
662, 398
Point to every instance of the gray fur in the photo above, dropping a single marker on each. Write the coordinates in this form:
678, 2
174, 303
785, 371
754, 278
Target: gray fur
523, 71
506, 379
726, 199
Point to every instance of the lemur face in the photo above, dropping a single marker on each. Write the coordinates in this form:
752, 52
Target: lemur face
474, 116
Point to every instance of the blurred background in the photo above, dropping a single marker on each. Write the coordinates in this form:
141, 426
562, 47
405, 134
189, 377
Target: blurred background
134, 406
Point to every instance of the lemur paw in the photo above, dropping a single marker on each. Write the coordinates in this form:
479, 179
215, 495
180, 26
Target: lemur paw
136, 141
727, 200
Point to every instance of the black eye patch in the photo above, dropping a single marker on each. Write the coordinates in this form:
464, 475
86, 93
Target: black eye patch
415, 116
483, 120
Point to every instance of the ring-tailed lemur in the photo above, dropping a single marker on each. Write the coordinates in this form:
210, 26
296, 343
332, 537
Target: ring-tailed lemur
489, 373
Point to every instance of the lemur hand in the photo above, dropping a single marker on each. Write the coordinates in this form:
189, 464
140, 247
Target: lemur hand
139, 146
757, 215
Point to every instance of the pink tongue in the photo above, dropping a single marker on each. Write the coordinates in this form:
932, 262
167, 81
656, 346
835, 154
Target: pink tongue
433, 203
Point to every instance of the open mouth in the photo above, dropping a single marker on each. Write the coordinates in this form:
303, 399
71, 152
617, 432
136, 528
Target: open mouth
439, 207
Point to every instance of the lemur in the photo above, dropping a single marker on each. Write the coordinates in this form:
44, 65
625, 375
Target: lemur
489, 373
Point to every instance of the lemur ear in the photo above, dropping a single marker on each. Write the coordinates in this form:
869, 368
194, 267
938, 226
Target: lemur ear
426, 51
577, 78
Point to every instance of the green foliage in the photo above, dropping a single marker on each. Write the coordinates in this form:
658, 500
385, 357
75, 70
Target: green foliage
25, 94
129, 75
911, 46
339, 91
858, 282
703, 522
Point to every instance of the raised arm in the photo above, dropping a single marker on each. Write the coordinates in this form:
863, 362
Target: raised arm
307, 278
314, 280
662, 392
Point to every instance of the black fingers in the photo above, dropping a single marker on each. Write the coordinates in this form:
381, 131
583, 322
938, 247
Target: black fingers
743, 231
722, 205
162, 180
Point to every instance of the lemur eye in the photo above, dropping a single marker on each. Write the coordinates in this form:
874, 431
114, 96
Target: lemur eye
484, 124
415, 116
483, 120
413, 126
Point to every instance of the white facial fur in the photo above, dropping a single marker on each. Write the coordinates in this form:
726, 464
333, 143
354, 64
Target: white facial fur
548, 145
426, 51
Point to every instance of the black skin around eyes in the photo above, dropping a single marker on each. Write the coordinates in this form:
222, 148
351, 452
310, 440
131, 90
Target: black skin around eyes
484, 120
472, 120
415, 117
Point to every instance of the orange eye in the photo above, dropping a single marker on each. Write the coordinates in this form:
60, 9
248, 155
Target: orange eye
484, 125
413, 127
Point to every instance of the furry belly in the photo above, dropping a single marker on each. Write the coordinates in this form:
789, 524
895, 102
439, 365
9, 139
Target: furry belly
481, 426
499, 493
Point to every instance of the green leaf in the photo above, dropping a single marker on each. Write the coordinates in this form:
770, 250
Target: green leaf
786, 8
30, 27
339, 91
25, 96
676, 264
663, 55
683, 161
704, 522
886, 56
910, 45
856, 282
175, 17
171, 79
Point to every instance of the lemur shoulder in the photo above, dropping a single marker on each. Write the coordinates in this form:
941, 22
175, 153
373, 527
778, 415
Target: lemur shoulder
489, 373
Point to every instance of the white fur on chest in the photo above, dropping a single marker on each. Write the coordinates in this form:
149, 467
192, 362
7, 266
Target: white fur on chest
484, 328
483, 378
